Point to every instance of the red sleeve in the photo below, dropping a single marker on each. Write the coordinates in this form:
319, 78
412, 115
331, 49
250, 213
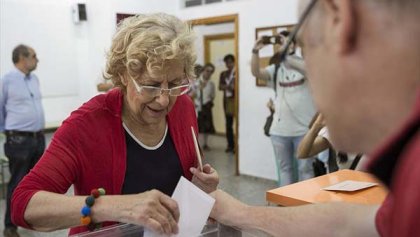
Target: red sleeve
55, 172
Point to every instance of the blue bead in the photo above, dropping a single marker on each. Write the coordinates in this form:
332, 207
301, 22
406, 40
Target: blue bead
85, 211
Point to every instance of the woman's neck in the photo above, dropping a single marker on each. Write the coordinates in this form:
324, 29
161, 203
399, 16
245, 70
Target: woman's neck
149, 134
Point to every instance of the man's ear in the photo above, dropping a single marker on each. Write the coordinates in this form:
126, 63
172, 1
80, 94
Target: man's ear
341, 24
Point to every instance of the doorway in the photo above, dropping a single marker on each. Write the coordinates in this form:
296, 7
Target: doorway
215, 48
210, 42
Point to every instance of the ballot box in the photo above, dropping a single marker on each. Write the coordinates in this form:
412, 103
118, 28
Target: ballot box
209, 230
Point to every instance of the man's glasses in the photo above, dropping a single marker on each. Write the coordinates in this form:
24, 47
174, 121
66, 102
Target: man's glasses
295, 31
153, 91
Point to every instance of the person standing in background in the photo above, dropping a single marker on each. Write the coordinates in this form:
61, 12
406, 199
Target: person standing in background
198, 68
22, 120
203, 100
318, 140
227, 85
293, 110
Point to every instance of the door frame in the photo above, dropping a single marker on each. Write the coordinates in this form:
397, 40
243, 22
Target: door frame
234, 18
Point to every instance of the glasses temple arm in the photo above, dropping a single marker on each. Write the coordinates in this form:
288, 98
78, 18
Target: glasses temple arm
283, 54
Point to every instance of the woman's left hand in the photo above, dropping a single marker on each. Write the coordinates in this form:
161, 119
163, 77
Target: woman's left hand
207, 180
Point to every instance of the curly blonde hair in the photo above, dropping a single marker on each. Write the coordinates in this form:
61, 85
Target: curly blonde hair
145, 43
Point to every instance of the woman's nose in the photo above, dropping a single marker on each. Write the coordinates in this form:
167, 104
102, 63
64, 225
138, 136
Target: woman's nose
163, 98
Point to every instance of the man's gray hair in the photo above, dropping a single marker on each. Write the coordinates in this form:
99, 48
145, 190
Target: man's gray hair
20, 50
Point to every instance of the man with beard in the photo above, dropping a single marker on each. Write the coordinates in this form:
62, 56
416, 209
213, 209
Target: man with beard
293, 110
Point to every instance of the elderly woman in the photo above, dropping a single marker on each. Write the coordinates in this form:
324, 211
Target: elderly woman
135, 141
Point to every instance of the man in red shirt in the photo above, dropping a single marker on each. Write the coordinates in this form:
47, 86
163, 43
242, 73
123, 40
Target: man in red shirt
363, 63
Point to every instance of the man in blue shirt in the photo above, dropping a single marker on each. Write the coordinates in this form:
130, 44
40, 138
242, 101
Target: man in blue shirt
22, 120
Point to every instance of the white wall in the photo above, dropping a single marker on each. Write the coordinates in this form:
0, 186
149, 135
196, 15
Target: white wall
53, 38
205, 30
72, 55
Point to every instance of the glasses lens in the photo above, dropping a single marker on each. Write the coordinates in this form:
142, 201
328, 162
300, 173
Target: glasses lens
150, 91
180, 90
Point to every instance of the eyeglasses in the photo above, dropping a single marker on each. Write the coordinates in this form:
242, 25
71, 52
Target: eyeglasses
153, 91
293, 35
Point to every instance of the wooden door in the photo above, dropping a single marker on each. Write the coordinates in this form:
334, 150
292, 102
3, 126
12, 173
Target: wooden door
215, 48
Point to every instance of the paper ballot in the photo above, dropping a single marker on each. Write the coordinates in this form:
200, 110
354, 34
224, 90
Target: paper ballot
349, 186
194, 206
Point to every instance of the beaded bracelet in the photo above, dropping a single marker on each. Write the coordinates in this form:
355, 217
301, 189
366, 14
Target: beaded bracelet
86, 211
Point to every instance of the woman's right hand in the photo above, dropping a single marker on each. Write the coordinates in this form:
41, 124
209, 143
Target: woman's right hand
152, 210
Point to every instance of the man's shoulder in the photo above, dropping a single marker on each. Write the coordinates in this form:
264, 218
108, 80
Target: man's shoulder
9, 75
409, 163
33, 75
400, 212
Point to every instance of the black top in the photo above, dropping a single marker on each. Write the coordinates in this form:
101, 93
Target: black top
151, 169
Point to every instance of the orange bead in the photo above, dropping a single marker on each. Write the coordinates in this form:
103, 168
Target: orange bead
85, 220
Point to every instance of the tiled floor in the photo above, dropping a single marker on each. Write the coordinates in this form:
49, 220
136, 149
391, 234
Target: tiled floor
247, 189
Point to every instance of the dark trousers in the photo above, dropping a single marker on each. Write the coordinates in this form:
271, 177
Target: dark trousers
23, 153
229, 131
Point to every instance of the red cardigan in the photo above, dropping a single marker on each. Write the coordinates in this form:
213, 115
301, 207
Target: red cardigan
89, 151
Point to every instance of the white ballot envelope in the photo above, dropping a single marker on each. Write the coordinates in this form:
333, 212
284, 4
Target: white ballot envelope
194, 206
349, 186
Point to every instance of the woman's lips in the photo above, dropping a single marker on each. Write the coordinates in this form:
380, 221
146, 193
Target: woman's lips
155, 112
